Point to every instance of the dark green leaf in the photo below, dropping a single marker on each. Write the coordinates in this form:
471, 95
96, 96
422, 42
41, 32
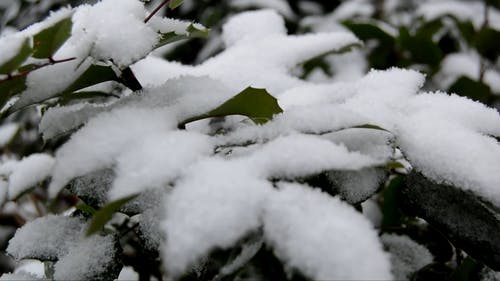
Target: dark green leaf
257, 104
421, 47
174, 4
366, 31
13, 63
392, 216
86, 209
466, 87
463, 218
94, 75
468, 270
370, 126
487, 43
192, 32
9, 88
49, 40
103, 215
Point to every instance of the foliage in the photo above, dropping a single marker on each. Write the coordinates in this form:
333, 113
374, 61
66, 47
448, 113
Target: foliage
269, 156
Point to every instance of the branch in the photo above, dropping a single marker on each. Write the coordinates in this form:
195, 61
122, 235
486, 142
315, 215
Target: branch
156, 10
36, 67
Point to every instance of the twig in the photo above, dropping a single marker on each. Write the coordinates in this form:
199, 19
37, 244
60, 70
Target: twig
156, 10
28, 71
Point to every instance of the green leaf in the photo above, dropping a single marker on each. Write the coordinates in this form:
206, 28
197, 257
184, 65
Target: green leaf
103, 215
467, 222
21, 56
174, 4
392, 216
191, 32
366, 31
486, 43
49, 40
94, 75
466, 271
466, 87
257, 104
369, 126
421, 47
9, 88
86, 209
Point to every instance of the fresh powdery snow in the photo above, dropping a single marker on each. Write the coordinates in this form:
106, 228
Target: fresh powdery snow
38, 166
323, 237
89, 258
214, 205
49, 238
407, 256
210, 185
157, 160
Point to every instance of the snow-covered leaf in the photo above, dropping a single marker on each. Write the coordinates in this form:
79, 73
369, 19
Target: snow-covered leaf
46, 238
322, 237
14, 62
468, 222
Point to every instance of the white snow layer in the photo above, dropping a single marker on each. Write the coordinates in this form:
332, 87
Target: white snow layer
323, 237
49, 237
407, 256
26, 173
7, 132
214, 205
88, 259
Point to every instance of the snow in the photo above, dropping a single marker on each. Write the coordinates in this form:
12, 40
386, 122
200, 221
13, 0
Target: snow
407, 256
249, 26
463, 10
46, 238
100, 142
104, 34
38, 166
7, 132
18, 276
279, 6
214, 205
149, 228
10, 46
89, 259
255, 55
93, 187
297, 156
357, 186
322, 237
156, 161
128, 274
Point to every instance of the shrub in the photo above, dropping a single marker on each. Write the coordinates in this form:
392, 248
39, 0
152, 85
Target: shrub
243, 167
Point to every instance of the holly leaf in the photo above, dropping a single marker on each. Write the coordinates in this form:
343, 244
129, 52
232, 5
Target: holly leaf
174, 4
94, 75
49, 40
469, 223
103, 215
11, 87
192, 31
257, 104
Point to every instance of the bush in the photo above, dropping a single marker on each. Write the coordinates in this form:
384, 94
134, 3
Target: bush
276, 157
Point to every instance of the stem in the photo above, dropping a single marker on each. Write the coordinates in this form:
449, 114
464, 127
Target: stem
156, 10
26, 72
